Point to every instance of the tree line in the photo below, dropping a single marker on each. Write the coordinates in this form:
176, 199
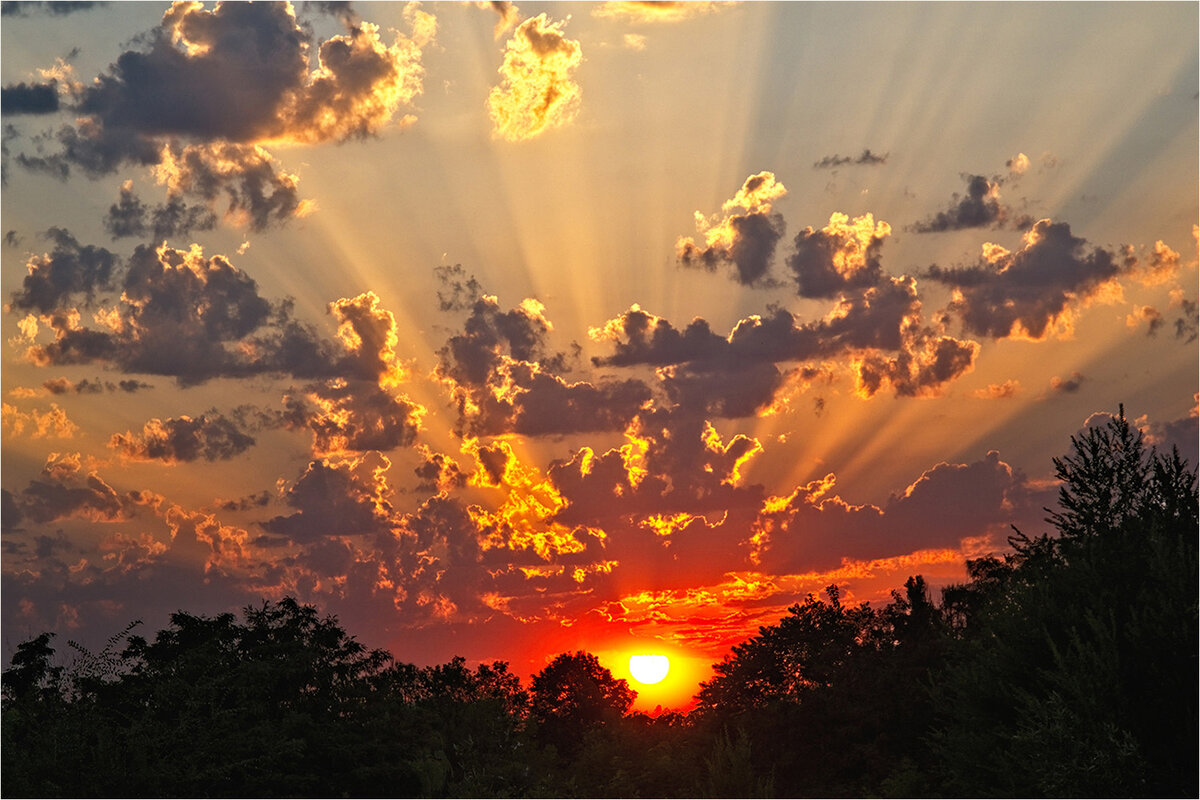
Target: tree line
1066, 667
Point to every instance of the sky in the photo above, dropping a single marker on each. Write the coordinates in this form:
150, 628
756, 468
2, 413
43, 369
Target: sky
509, 330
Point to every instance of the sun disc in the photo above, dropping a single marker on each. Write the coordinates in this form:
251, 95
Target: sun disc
649, 668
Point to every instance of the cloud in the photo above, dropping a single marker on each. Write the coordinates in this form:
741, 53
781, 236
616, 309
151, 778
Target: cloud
460, 289
1032, 291
1067, 385
347, 416
1018, 164
129, 216
998, 391
52, 423
194, 318
844, 255
644, 11
746, 241
877, 332
60, 385
26, 98
63, 491
537, 90
244, 68
69, 274
979, 208
507, 13
1148, 314
438, 472
57, 8
209, 436
815, 529
337, 498
503, 379
1187, 325
865, 158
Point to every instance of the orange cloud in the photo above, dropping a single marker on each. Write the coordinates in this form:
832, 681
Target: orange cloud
52, 423
537, 91
657, 10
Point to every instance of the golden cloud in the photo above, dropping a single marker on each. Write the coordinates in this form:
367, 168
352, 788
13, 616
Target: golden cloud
537, 91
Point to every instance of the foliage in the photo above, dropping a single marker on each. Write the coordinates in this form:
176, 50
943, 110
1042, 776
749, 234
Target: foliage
1065, 667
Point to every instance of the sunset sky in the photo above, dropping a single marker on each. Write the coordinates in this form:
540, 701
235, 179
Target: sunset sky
508, 330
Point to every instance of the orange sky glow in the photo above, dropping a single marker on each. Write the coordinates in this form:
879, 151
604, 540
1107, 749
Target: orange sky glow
507, 330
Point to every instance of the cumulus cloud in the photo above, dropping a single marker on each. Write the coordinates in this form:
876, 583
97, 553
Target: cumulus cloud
1148, 314
70, 273
65, 489
194, 318
244, 69
814, 528
877, 332
1018, 164
337, 498
1031, 291
745, 241
52, 423
504, 379
1067, 385
29, 98
209, 436
537, 90
980, 207
641, 11
865, 158
844, 255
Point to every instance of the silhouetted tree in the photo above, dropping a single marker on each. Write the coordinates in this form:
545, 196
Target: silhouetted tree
1075, 672
575, 694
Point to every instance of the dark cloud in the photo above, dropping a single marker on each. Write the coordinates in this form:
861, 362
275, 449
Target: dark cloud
1188, 325
438, 472
816, 529
59, 8
745, 241
179, 314
864, 158
92, 386
244, 179
70, 273
65, 490
209, 436
245, 71
979, 208
355, 416
341, 10
504, 379
1067, 385
29, 98
1028, 291
726, 393
129, 216
842, 256
336, 499
458, 291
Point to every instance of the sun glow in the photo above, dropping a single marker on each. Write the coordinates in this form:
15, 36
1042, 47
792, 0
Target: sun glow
649, 669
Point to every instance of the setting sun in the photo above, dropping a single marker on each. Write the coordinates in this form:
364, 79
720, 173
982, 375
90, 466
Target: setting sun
649, 668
